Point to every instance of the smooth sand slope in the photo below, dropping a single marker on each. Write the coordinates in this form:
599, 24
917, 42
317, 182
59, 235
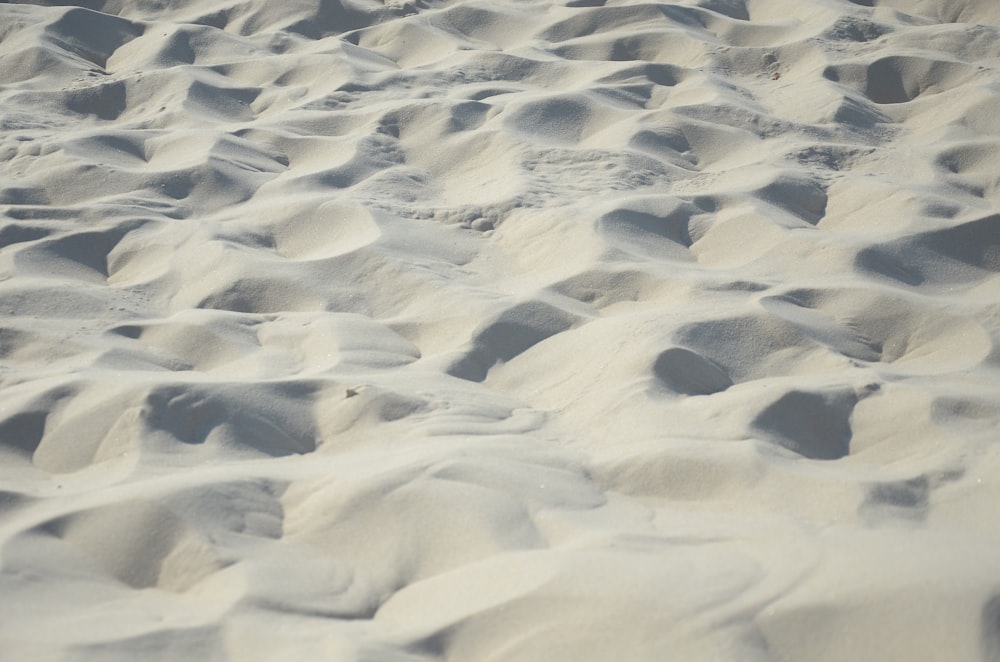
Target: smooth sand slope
482, 330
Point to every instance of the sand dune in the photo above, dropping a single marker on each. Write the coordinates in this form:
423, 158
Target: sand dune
466, 330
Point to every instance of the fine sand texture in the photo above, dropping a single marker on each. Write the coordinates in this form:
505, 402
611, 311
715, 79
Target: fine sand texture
500, 330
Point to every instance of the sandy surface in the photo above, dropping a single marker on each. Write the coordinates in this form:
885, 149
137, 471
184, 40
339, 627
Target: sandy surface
500, 330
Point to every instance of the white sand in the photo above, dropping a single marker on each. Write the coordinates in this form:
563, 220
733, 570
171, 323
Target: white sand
486, 330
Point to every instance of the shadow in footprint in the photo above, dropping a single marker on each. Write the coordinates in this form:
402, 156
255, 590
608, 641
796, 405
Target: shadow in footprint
966, 252
990, 633
814, 425
23, 431
905, 499
513, 332
690, 373
649, 235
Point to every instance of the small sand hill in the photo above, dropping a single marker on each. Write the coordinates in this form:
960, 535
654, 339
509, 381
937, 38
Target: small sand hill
500, 330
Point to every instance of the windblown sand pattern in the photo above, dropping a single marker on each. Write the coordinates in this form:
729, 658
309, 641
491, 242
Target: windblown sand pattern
500, 330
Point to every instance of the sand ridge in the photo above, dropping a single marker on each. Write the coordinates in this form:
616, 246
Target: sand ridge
508, 330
